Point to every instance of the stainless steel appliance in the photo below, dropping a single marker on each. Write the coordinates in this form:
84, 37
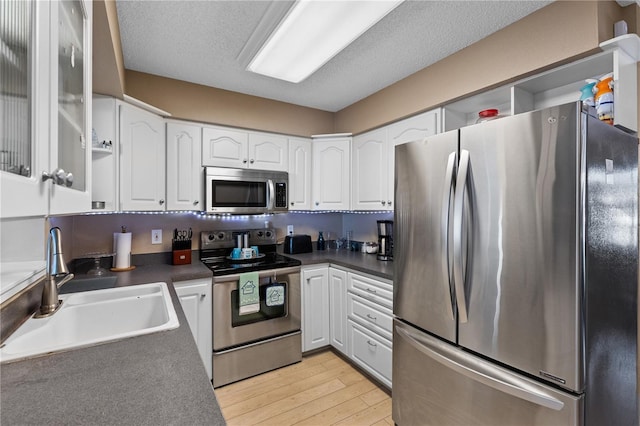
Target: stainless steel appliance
246, 345
516, 260
245, 191
385, 240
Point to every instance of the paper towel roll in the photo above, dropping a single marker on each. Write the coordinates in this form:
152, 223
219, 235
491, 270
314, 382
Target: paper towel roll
122, 249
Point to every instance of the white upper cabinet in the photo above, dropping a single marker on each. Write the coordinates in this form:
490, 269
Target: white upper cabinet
370, 174
227, 147
185, 175
46, 103
268, 152
142, 160
331, 173
224, 147
300, 174
104, 187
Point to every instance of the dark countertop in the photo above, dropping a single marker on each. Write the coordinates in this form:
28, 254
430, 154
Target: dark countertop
358, 261
157, 378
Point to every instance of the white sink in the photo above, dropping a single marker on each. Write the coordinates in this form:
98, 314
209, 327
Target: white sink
93, 317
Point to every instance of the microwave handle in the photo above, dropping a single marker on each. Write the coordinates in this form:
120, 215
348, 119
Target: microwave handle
271, 195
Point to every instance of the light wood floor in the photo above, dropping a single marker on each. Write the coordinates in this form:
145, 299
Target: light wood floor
323, 389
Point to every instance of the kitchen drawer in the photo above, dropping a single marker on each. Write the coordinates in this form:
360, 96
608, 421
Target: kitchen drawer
373, 316
371, 289
370, 351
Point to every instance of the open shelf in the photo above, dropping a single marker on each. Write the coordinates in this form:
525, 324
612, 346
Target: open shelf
561, 85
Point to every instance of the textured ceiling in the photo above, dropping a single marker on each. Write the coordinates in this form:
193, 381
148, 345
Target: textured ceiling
200, 41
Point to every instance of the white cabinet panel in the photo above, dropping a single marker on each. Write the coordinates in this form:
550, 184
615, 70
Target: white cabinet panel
224, 147
268, 152
315, 308
370, 171
142, 165
300, 174
371, 351
195, 299
185, 175
338, 309
331, 174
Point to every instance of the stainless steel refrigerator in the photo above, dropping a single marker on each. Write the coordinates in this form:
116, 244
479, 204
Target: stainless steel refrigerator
516, 258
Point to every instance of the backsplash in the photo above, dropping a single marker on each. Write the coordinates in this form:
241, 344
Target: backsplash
84, 234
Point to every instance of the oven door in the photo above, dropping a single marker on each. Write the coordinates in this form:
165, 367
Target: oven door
231, 329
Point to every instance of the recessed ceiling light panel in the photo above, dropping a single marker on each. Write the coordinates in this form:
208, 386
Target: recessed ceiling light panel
313, 32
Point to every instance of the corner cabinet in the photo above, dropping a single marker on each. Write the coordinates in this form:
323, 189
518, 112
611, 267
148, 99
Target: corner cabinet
185, 175
300, 174
338, 309
46, 162
142, 160
331, 173
196, 301
373, 163
315, 307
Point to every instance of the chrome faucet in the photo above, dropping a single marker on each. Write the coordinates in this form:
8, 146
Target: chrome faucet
56, 269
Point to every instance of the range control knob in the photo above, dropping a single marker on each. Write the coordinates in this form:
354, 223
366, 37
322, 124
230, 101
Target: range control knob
221, 236
211, 237
260, 234
268, 234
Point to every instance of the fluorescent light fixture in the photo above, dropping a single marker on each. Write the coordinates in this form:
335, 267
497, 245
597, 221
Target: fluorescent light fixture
313, 32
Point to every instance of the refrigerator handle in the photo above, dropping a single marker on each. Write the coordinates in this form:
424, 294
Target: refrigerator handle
478, 370
446, 208
458, 216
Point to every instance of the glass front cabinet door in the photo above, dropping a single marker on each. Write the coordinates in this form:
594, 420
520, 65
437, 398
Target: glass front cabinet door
45, 86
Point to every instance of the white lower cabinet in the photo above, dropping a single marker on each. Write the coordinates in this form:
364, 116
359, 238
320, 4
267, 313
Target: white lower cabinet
338, 309
195, 299
370, 324
370, 351
353, 313
315, 308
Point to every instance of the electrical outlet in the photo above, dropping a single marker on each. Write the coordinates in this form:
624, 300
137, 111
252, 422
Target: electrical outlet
289, 229
156, 236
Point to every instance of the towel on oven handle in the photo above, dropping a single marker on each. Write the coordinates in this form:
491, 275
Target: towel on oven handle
249, 293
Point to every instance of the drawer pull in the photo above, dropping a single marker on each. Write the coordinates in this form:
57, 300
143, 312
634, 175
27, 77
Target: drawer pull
370, 290
370, 343
372, 318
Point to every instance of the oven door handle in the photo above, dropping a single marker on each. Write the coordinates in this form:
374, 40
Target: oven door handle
271, 198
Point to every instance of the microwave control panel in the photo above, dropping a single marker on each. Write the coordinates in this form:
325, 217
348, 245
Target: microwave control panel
281, 195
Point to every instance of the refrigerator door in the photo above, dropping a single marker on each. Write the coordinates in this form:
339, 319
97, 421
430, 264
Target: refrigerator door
435, 383
520, 243
425, 171
611, 275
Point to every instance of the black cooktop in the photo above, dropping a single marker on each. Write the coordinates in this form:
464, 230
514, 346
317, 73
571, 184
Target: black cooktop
216, 247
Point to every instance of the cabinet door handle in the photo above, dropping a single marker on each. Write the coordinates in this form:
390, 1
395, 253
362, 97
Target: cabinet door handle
196, 202
244, 161
317, 203
161, 202
384, 203
372, 318
292, 203
68, 180
370, 343
389, 202
202, 296
252, 161
59, 177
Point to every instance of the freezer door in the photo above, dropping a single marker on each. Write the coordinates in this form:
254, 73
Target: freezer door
435, 383
519, 243
424, 175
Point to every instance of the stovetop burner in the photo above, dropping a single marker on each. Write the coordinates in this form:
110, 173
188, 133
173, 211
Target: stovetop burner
216, 247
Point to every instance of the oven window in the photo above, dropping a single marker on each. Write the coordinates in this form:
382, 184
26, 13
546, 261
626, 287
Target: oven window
238, 194
269, 309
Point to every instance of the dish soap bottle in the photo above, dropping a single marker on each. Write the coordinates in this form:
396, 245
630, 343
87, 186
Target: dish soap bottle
320, 241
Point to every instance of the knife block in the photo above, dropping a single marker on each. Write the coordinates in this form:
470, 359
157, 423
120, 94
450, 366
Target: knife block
181, 252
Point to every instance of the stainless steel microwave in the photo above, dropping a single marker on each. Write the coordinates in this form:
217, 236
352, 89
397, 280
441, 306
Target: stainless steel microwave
244, 191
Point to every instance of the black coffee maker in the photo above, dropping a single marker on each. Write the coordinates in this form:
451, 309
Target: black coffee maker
385, 240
